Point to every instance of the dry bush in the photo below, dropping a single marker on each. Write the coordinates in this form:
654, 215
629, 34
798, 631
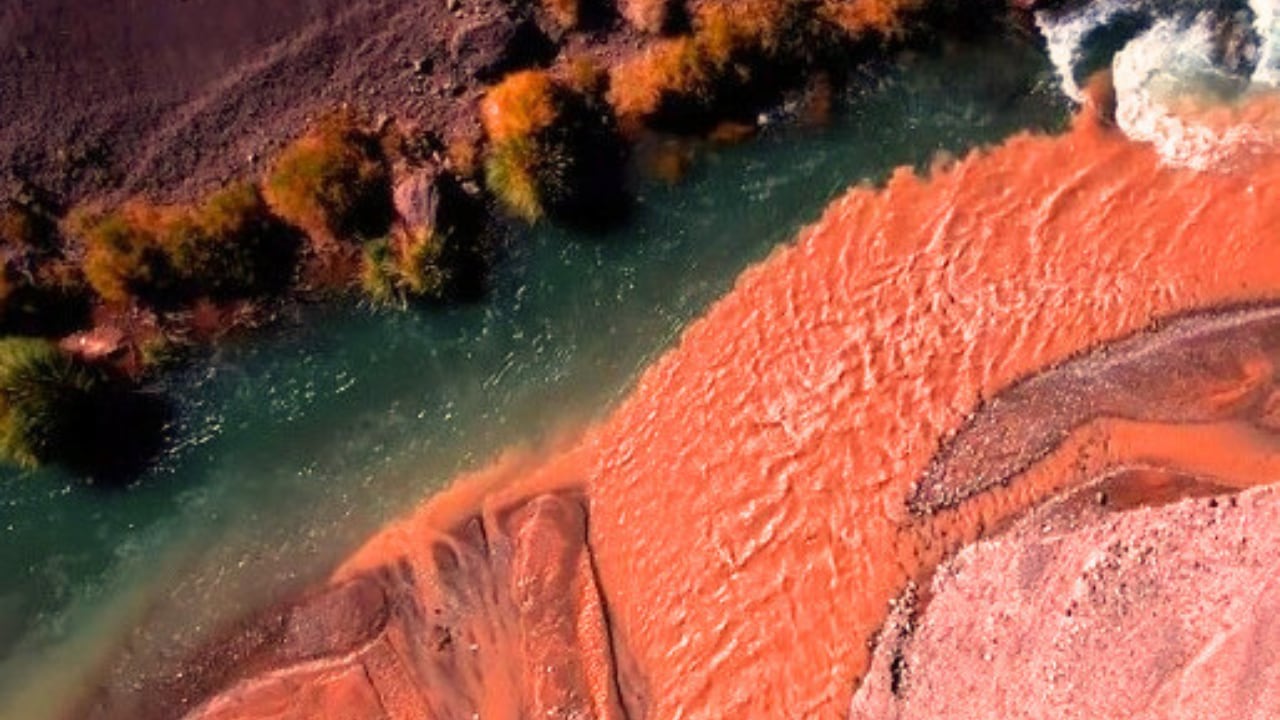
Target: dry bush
738, 46
333, 182
523, 104
857, 17
229, 246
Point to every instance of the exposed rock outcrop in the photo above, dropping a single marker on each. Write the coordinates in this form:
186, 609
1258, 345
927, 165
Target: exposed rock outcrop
1159, 613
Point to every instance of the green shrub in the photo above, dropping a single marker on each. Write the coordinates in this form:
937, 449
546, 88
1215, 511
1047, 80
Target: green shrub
379, 276
333, 182
232, 246
516, 173
56, 409
740, 54
45, 398
414, 268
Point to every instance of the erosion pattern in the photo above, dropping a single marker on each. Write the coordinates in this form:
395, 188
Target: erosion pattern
748, 515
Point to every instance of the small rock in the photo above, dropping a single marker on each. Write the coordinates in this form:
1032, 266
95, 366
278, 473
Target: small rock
417, 199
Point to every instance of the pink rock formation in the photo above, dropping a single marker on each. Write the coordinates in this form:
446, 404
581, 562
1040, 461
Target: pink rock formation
1163, 613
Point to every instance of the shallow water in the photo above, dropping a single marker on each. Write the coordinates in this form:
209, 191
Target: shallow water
294, 446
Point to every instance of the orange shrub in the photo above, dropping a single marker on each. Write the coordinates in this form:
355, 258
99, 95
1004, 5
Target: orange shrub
229, 246
523, 104
734, 43
585, 76
690, 68
518, 114
20, 227
669, 67
124, 255
553, 146
332, 182
857, 17
463, 155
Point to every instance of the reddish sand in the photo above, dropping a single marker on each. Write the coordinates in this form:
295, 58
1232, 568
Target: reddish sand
753, 507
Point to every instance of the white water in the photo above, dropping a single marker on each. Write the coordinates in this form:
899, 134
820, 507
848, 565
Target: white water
1172, 74
1267, 24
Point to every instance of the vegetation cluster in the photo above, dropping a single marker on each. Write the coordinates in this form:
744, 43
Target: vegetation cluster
228, 247
56, 408
553, 148
334, 182
739, 53
334, 209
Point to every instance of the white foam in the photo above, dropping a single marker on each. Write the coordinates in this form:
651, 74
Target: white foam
1169, 65
1064, 33
1267, 24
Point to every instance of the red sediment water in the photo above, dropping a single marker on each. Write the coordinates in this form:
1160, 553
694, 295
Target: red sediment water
749, 514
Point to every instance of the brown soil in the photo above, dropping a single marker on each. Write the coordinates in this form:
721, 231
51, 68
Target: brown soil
111, 98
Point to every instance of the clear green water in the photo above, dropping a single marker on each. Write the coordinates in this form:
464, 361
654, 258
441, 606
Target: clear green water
294, 446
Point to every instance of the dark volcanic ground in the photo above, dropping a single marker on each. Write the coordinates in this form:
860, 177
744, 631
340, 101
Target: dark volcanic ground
171, 97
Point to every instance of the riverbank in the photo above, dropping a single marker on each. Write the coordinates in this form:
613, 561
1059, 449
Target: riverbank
545, 100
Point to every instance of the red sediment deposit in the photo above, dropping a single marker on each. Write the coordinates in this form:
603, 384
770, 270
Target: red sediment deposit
729, 542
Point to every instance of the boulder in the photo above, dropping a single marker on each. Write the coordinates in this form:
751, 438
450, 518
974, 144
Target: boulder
417, 199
